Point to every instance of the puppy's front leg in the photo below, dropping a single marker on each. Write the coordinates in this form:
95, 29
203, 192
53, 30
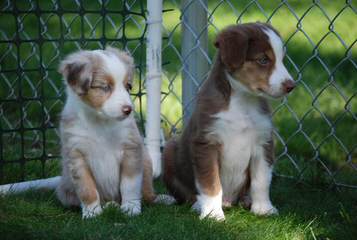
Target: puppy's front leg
261, 173
131, 180
84, 184
206, 167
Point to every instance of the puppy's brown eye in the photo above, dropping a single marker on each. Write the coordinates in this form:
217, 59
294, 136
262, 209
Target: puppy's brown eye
263, 60
128, 86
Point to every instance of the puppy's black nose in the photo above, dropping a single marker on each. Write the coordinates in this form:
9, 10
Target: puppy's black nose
126, 109
288, 86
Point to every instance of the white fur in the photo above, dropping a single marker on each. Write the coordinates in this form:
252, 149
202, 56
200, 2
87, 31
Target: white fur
101, 141
130, 188
120, 96
260, 173
279, 74
100, 135
209, 206
241, 129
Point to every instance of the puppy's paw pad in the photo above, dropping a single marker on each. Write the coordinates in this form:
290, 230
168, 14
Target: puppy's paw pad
131, 208
91, 211
264, 209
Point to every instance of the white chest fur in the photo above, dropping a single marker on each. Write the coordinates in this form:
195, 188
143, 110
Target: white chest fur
102, 145
241, 129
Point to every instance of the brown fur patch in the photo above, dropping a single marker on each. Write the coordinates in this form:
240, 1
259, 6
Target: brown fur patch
268, 146
254, 76
132, 163
96, 94
133, 148
206, 162
82, 178
147, 189
183, 189
241, 47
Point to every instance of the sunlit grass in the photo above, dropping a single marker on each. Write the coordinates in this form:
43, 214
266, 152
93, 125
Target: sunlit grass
309, 122
305, 213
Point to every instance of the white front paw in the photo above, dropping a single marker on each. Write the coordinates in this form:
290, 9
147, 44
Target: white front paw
210, 207
263, 208
131, 208
212, 212
91, 210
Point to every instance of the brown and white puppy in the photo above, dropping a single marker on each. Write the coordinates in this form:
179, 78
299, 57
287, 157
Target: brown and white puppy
104, 158
226, 149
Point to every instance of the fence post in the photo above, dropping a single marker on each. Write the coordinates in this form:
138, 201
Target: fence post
153, 82
194, 45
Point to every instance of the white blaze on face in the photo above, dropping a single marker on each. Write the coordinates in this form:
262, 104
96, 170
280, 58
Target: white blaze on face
279, 74
120, 96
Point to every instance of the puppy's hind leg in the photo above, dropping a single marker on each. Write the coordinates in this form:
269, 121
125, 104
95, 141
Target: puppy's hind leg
148, 189
175, 187
65, 192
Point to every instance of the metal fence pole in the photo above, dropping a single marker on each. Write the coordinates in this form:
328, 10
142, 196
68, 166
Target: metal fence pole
194, 48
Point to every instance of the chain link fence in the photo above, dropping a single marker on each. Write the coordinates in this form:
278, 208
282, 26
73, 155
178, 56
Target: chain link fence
34, 36
315, 126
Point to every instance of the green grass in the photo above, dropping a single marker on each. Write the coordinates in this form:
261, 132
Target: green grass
305, 213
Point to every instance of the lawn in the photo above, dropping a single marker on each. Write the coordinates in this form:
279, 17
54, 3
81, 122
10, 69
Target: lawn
306, 212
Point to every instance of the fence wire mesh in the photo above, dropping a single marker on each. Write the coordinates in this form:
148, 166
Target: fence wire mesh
34, 37
315, 126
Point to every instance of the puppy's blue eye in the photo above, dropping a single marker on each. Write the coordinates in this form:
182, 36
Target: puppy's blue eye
263, 61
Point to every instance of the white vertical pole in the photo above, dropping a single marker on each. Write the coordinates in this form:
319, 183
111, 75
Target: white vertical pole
153, 82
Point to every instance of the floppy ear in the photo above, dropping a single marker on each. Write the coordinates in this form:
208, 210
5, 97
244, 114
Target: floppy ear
126, 58
77, 71
233, 46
